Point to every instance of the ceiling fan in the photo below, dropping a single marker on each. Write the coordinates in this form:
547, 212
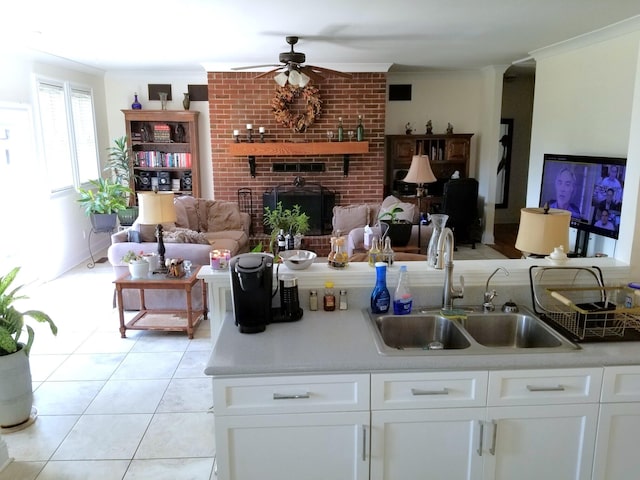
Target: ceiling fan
292, 69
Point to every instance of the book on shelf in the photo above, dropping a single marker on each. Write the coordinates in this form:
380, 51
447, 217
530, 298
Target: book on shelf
156, 159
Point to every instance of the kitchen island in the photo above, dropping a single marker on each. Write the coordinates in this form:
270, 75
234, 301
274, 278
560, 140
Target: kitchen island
316, 399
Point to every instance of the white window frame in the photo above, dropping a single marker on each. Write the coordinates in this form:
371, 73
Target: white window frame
72, 130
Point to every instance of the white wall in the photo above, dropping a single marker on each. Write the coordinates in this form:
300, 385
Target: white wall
120, 88
585, 99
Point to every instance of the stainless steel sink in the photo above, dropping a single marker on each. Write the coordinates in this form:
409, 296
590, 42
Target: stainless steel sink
428, 332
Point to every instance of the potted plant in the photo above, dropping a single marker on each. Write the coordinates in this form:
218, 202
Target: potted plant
291, 221
398, 230
138, 264
120, 166
103, 202
16, 397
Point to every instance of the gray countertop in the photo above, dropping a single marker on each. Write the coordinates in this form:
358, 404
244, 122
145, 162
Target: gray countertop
343, 342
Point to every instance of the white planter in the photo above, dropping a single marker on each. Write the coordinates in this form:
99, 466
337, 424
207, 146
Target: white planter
139, 269
16, 396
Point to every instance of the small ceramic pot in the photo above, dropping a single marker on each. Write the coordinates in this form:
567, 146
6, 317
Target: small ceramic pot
139, 269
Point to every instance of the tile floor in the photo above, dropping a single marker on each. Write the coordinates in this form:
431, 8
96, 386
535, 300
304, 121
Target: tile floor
112, 408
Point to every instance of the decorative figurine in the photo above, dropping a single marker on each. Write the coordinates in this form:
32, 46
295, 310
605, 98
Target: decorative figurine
429, 127
407, 128
449, 129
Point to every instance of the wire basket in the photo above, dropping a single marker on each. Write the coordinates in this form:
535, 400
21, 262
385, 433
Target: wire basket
576, 299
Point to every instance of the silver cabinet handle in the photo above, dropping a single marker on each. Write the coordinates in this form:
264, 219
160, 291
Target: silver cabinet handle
481, 438
295, 396
534, 388
364, 443
417, 391
492, 450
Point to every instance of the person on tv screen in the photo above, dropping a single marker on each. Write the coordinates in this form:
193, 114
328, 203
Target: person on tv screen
604, 221
565, 186
609, 203
610, 182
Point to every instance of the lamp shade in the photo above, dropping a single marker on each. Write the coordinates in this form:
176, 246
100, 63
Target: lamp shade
281, 79
420, 170
540, 232
156, 207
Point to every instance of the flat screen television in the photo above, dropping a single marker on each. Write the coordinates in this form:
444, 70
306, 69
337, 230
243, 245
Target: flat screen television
591, 188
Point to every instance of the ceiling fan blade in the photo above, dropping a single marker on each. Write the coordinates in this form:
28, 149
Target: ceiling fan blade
269, 72
255, 66
328, 70
311, 74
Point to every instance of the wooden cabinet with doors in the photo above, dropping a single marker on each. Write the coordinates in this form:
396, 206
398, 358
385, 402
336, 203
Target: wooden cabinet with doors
164, 150
447, 153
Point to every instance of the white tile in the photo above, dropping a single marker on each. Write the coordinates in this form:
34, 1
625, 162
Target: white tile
38, 441
170, 469
129, 396
42, 366
153, 341
64, 398
148, 365
192, 364
187, 395
22, 471
178, 435
88, 367
107, 342
103, 437
64, 342
86, 469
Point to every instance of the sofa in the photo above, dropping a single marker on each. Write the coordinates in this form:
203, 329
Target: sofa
351, 220
201, 226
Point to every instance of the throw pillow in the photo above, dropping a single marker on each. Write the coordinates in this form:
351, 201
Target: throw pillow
187, 216
348, 217
184, 235
409, 210
223, 215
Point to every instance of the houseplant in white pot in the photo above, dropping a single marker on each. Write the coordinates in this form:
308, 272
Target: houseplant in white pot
138, 264
16, 396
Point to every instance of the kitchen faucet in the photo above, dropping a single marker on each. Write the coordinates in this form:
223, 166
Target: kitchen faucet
445, 260
489, 295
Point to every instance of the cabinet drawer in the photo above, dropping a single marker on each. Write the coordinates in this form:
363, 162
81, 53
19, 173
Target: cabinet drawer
428, 390
540, 387
290, 394
621, 384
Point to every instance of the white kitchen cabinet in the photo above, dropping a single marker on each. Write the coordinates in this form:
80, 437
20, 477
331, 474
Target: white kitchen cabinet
618, 425
541, 424
311, 427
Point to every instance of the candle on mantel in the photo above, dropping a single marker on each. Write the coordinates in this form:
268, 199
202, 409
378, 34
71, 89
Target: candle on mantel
261, 130
249, 126
236, 133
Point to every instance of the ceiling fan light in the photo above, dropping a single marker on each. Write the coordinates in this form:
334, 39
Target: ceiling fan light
281, 79
304, 80
294, 77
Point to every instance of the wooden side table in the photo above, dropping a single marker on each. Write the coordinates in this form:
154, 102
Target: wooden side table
167, 320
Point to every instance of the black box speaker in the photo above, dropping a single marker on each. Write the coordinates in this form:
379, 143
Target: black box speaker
143, 181
186, 182
164, 181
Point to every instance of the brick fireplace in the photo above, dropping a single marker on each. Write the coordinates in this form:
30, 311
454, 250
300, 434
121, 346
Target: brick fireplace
237, 98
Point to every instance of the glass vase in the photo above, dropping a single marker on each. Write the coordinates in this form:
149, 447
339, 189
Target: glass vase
438, 220
186, 101
136, 105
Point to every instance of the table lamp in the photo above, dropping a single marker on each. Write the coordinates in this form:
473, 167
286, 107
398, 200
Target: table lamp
542, 229
157, 208
420, 173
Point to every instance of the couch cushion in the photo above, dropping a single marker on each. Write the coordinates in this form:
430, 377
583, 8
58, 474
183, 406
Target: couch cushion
148, 232
409, 210
235, 235
225, 244
187, 216
222, 215
346, 218
184, 235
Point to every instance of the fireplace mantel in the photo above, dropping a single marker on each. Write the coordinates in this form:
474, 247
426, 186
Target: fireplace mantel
280, 149
251, 150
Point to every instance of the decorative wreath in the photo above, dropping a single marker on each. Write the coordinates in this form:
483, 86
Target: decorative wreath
286, 95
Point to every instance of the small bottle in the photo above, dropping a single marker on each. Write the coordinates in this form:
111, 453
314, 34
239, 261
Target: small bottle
288, 240
340, 130
368, 233
342, 305
374, 252
380, 297
282, 243
136, 104
402, 298
387, 252
313, 300
360, 129
329, 301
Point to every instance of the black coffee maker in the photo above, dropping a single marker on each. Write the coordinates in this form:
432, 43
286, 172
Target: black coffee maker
251, 290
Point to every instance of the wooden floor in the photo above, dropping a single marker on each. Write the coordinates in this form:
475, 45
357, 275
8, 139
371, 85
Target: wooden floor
505, 239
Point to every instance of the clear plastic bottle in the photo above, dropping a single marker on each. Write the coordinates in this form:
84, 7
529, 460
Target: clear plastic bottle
387, 252
329, 300
313, 300
380, 297
374, 252
402, 298
342, 304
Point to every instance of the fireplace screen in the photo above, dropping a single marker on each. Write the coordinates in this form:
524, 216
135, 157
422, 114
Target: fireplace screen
314, 200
